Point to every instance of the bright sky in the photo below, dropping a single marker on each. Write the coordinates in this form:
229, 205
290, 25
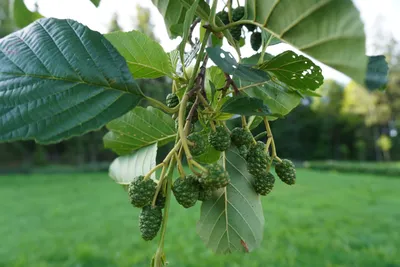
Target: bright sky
387, 11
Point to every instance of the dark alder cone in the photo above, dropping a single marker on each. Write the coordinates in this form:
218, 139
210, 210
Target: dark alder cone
215, 177
141, 192
286, 171
186, 190
223, 16
264, 183
220, 138
256, 40
240, 136
238, 13
257, 159
172, 100
199, 143
150, 222
236, 32
251, 27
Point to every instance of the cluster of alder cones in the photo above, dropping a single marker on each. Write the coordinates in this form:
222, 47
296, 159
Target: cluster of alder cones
190, 188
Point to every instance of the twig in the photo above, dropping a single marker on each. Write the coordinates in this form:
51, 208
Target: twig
230, 82
191, 29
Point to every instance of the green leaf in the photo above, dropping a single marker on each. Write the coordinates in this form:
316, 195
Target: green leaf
125, 168
145, 57
267, 36
377, 73
277, 96
22, 15
228, 64
96, 3
233, 220
60, 79
215, 79
174, 58
173, 12
254, 121
330, 31
139, 128
295, 70
186, 28
245, 105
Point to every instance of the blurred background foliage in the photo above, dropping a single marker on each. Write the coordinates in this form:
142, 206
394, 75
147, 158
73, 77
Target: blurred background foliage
347, 122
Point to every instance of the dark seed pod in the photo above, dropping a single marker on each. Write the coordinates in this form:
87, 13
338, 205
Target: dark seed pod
141, 192
264, 183
150, 222
256, 40
286, 171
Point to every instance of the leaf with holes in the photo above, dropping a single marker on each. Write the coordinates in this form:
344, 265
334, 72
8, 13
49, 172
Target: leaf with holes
145, 57
377, 74
60, 79
245, 105
139, 128
125, 168
330, 31
228, 64
232, 220
294, 70
279, 97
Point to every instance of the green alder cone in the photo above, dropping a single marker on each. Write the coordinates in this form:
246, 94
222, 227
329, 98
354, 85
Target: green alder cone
236, 32
240, 136
141, 192
215, 177
243, 151
150, 222
186, 191
223, 16
250, 27
172, 100
205, 194
199, 143
264, 183
238, 13
257, 159
256, 40
220, 139
286, 171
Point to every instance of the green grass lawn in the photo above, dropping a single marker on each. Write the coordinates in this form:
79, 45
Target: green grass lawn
326, 219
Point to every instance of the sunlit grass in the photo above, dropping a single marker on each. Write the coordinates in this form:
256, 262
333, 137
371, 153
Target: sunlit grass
326, 219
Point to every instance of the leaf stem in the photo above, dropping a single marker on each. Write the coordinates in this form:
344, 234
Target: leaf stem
270, 136
260, 135
161, 105
159, 257
153, 170
264, 48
